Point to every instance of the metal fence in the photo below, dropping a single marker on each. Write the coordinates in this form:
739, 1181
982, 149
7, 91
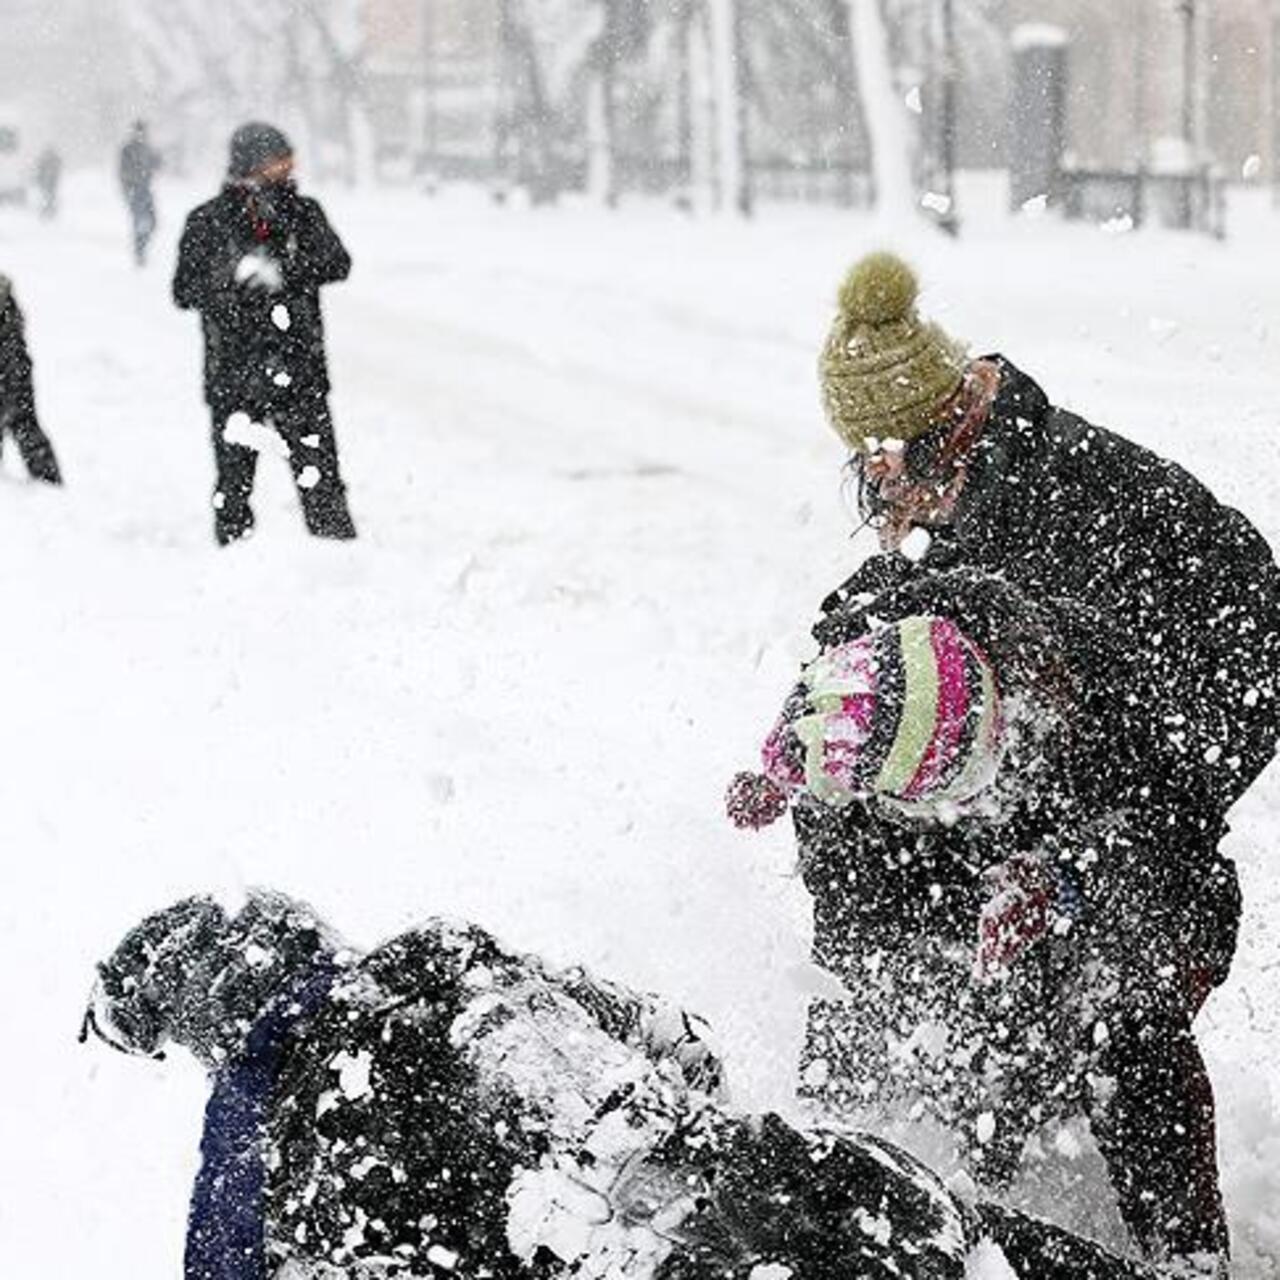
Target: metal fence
1192, 201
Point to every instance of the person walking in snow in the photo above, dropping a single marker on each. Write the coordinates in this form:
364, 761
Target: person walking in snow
443, 1105
252, 261
48, 179
17, 393
964, 467
139, 163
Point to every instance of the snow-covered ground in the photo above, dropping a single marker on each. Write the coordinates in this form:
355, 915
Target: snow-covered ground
598, 508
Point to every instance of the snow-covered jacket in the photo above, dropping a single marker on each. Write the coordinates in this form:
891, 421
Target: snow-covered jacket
252, 261
1163, 607
1186, 587
17, 397
444, 1106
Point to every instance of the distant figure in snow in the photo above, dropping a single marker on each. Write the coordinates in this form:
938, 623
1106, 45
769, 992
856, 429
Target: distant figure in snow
48, 179
967, 471
252, 261
17, 393
445, 1106
139, 163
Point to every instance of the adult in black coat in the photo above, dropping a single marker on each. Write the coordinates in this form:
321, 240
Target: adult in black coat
983, 935
138, 165
17, 393
252, 262
965, 467
444, 1105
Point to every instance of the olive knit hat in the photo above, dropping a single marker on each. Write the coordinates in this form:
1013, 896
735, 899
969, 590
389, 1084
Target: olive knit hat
884, 371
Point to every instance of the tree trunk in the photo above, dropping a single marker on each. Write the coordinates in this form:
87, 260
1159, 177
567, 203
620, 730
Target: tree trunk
888, 123
600, 141
733, 185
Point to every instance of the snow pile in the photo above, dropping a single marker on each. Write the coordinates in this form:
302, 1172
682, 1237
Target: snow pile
987, 1262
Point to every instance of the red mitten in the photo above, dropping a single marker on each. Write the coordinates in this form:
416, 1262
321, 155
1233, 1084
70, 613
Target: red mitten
1016, 914
754, 800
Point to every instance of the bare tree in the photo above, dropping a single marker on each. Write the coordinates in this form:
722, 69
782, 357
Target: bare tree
208, 66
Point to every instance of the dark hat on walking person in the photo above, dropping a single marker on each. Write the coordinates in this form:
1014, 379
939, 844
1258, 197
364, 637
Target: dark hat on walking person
256, 144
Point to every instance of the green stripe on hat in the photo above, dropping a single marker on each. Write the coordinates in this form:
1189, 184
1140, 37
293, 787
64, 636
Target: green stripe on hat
919, 707
811, 732
984, 754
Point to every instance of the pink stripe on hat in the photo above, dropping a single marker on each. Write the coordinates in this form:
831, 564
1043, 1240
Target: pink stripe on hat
952, 660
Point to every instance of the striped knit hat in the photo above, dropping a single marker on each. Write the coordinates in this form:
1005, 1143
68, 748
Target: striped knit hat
910, 712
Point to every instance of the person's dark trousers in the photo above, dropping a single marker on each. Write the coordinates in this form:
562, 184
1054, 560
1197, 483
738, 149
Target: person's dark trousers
306, 428
142, 213
236, 467
34, 446
1152, 1116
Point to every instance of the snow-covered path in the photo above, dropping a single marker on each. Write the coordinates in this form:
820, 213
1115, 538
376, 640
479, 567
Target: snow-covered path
598, 509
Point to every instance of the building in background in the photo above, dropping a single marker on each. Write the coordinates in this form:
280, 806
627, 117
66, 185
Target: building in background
713, 103
65, 76
1127, 102
433, 81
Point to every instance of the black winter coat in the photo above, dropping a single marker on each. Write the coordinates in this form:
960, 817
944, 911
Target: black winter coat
17, 394
1167, 605
252, 262
1187, 588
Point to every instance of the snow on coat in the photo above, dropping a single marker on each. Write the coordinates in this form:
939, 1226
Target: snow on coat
252, 261
17, 392
443, 1106
1188, 590
1144, 618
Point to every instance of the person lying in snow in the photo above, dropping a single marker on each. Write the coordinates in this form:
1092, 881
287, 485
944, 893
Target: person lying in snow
17, 393
442, 1105
976, 800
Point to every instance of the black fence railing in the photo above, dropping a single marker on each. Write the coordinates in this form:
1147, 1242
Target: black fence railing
811, 182
1192, 201
771, 179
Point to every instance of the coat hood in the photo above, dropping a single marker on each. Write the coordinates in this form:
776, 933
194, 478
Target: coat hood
193, 974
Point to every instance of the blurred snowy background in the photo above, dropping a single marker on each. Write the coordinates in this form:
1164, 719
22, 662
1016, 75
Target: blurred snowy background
596, 246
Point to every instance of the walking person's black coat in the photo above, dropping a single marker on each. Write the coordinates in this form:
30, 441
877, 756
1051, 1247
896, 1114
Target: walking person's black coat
252, 261
17, 393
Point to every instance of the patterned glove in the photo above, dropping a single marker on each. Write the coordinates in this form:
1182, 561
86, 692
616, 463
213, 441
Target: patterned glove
754, 801
1021, 907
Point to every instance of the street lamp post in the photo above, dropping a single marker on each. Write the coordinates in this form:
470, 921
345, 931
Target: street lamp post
430, 122
947, 142
1273, 56
1187, 8
1187, 11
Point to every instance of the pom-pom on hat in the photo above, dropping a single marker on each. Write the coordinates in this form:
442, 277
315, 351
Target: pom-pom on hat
910, 712
884, 372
